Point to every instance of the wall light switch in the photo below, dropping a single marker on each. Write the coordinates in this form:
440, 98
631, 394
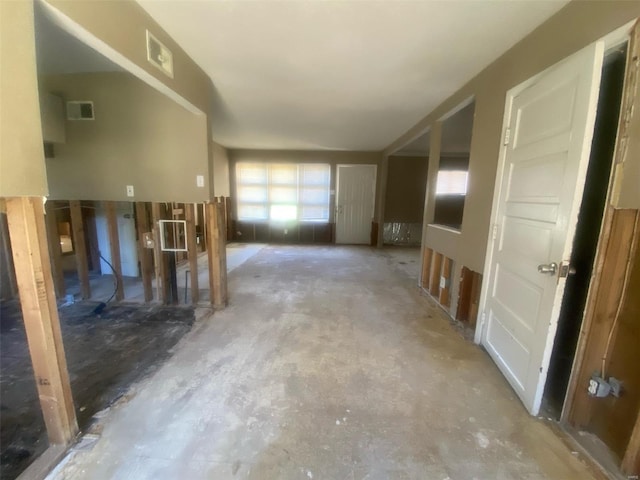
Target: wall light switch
200, 180
130, 191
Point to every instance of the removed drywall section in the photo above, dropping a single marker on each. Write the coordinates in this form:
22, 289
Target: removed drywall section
21, 151
139, 137
220, 171
404, 199
126, 237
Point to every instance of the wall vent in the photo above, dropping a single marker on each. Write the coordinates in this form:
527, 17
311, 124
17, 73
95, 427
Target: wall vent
159, 55
80, 110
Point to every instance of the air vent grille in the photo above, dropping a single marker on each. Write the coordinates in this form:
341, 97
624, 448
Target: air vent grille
80, 110
159, 55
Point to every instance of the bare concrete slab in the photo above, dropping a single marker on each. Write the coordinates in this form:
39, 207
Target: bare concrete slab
328, 364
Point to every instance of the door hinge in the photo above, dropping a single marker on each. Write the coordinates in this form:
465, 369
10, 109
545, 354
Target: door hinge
507, 136
494, 234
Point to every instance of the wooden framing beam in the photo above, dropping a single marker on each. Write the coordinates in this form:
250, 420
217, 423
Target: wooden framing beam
114, 245
55, 251
39, 310
144, 254
217, 254
426, 267
80, 248
192, 248
160, 261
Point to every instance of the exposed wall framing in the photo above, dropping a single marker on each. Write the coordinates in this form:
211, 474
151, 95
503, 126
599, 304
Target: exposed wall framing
39, 310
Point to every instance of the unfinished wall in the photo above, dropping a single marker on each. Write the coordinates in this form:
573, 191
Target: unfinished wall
333, 158
220, 171
139, 137
404, 199
573, 28
21, 152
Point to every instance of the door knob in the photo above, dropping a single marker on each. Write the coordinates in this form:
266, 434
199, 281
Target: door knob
550, 268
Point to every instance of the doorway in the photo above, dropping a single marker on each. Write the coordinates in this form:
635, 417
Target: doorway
355, 203
587, 230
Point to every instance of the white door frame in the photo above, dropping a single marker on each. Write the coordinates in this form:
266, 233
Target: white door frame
337, 196
616, 37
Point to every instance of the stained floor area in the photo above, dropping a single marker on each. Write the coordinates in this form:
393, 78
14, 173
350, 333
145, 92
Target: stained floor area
329, 363
105, 353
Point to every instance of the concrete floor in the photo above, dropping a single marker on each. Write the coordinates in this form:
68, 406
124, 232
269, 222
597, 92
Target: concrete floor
328, 364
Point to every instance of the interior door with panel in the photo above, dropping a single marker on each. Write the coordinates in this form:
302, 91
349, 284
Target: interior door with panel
355, 202
549, 127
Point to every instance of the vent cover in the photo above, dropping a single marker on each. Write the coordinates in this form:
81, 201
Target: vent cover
159, 55
80, 110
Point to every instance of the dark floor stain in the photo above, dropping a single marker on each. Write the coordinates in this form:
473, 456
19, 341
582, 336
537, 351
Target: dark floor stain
105, 354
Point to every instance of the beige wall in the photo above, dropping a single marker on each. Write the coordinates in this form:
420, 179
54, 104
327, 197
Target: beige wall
331, 157
574, 27
220, 171
139, 137
22, 170
406, 183
122, 25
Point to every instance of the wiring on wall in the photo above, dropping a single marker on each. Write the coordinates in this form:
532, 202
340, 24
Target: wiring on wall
623, 293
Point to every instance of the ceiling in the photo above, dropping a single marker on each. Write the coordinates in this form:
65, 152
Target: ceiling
350, 75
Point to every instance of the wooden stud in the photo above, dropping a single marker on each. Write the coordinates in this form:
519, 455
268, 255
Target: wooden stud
631, 460
464, 295
42, 325
144, 254
426, 268
217, 255
444, 296
159, 258
53, 237
434, 283
114, 245
474, 307
229, 218
80, 248
192, 249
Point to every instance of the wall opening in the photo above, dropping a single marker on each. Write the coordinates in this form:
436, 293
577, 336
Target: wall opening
453, 168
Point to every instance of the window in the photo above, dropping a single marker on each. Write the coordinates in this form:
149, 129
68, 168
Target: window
283, 192
452, 182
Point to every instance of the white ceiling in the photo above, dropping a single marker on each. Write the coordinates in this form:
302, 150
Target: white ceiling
339, 75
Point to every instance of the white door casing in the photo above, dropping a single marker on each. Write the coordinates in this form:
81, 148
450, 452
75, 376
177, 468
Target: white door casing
355, 202
549, 121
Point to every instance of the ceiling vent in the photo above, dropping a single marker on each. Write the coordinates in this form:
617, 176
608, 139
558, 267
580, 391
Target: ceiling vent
80, 110
159, 55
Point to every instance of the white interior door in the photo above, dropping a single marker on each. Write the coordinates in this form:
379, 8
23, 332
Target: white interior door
355, 201
549, 121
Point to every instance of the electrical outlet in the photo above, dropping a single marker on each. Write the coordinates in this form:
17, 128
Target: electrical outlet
200, 180
286, 231
598, 387
130, 191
